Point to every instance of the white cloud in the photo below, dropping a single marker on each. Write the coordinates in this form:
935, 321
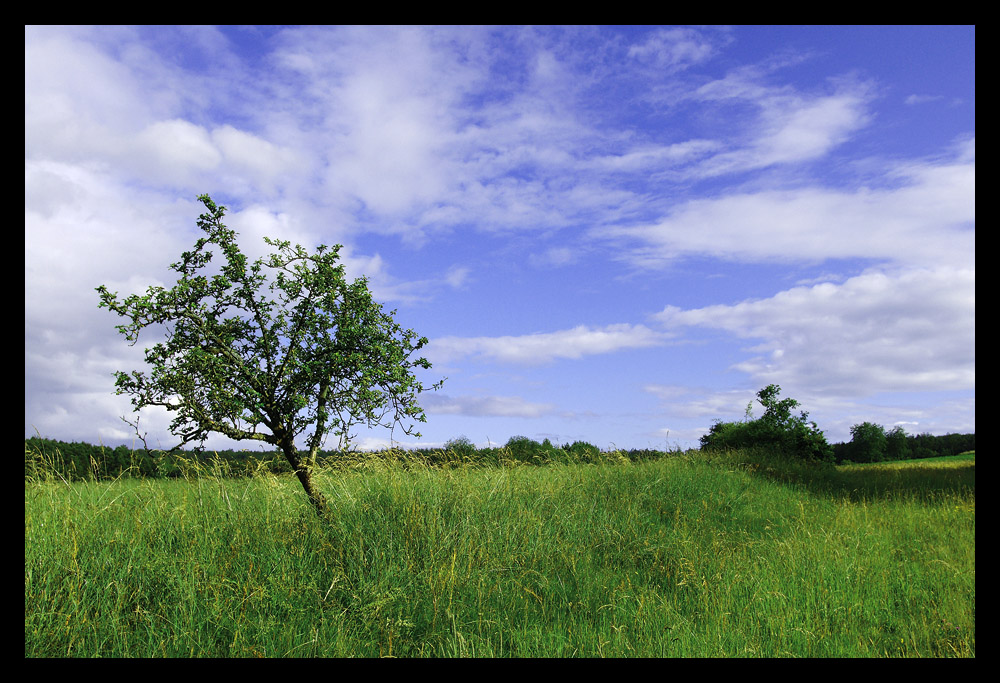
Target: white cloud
647, 157
384, 120
533, 349
790, 127
908, 331
675, 48
262, 160
105, 97
485, 406
78, 100
702, 403
922, 99
553, 256
173, 151
457, 276
810, 130
925, 219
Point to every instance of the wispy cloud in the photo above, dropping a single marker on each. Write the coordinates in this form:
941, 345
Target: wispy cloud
674, 48
786, 126
545, 347
922, 99
486, 406
925, 216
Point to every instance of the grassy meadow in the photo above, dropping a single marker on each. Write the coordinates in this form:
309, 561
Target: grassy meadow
691, 555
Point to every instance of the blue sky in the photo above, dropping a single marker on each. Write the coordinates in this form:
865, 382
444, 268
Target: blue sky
608, 234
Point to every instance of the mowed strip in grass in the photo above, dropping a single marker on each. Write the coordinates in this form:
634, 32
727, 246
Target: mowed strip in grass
732, 555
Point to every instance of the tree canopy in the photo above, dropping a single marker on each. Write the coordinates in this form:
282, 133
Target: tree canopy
305, 352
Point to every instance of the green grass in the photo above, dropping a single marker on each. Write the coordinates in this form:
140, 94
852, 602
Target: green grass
692, 556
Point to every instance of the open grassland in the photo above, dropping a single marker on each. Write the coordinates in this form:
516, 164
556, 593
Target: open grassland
690, 555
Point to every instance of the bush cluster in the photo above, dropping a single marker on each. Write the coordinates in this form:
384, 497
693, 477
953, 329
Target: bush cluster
778, 430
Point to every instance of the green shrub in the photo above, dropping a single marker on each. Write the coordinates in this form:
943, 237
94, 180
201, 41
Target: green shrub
523, 449
582, 451
461, 447
778, 430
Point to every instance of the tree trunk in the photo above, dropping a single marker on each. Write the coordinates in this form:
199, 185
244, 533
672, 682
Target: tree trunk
303, 471
317, 499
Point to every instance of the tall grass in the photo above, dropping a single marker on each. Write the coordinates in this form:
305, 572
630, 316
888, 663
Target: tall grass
733, 555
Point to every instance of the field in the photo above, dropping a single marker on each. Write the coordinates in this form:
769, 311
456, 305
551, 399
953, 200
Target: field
682, 556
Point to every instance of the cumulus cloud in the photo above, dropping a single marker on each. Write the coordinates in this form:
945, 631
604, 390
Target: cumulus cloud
78, 100
912, 330
175, 151
260, 159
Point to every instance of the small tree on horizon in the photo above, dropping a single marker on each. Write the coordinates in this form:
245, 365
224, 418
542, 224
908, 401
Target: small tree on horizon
896, 446
267, 361
869, 442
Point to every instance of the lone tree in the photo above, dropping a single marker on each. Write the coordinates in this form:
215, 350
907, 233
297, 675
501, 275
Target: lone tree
261, 360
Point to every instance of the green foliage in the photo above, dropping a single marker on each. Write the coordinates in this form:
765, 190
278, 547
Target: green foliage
461, 447
896, 445
868, 442
462, 443
47, 459
581, 451
51, 460
523, 449
729, 435
929, 446
902, 446
267, 360
777, 429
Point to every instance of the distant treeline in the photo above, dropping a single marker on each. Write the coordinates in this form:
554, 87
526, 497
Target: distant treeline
904, 447
76, 461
